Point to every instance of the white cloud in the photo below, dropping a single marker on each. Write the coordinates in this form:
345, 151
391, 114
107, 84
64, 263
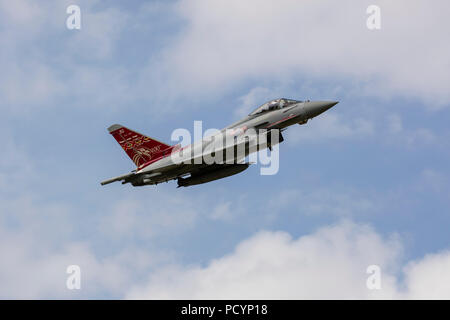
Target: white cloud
322, 201
22, 13
397, 133
217, 46
225, 42
389, 130
253, 99
432, 180
40, 237
38, 241
43, 62
222, 211
155, 215
163, 213
331, 126
36, 249
429, 278
330, 263
15, 167
395, 123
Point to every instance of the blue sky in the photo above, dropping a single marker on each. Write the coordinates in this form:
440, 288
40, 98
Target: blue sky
365, 183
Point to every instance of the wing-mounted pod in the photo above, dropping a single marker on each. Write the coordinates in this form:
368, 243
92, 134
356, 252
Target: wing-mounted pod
214, 173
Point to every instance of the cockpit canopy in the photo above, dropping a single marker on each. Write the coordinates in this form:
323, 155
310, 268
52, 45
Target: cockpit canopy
274, 105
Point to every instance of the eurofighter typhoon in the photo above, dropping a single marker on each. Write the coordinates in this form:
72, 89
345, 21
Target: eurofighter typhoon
217, 156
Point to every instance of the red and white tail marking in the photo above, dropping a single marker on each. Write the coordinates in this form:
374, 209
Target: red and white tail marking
141, 149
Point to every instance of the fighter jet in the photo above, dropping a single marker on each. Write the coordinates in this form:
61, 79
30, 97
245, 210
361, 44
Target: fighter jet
215, 157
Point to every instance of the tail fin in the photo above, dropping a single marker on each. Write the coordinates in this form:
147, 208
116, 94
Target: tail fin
141, 149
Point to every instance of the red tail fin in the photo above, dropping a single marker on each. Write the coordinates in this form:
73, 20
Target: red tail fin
141, 149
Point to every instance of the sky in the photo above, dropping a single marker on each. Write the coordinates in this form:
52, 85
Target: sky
366, 183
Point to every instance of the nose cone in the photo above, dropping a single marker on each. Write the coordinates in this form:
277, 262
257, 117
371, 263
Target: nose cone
317, 107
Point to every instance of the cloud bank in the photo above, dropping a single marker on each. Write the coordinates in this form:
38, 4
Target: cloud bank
330, 263
225, 42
